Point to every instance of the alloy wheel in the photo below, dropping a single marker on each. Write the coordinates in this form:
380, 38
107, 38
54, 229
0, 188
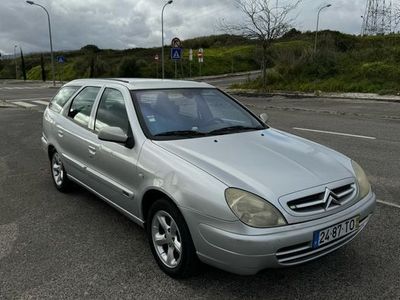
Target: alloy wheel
57, 169
166, 239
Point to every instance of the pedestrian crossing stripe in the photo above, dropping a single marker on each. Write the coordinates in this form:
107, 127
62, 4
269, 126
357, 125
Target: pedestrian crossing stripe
24, 104
10, 88
41, 102
27, 104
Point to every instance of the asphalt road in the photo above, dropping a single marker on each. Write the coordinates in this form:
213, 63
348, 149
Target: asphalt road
75, 246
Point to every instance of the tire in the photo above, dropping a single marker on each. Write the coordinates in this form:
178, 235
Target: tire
58, 173
166, 224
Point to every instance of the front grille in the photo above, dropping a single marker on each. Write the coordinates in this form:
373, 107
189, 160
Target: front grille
317, 203
304, 252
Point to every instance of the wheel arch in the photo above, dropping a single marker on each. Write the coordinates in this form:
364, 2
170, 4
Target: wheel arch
50, 150
151, 196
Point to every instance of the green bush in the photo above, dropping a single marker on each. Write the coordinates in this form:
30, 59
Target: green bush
129, 67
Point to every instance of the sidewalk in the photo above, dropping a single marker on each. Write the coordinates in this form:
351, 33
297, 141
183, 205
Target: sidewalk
351, 96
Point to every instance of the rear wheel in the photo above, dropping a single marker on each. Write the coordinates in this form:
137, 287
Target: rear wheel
170, 240
60, 179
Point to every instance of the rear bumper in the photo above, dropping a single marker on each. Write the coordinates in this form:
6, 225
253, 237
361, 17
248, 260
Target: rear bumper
289, 245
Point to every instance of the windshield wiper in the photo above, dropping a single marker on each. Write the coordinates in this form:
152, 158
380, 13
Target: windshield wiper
183, 133
233, 129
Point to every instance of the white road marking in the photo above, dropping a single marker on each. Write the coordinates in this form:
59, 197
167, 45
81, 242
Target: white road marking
41, 102
6, 104
21, 87
24, 104
27, 99
388, 203
337, 133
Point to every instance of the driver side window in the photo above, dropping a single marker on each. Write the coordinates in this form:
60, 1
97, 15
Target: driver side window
112, 111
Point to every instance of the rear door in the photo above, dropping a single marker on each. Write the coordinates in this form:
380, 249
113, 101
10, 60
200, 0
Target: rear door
112, 166
73, 132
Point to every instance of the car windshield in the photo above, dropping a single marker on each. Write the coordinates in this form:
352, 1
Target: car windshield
190, 113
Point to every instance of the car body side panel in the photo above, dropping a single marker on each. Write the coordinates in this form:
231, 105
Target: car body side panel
186, 184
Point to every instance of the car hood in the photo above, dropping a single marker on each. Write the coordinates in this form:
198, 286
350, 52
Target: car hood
269, 163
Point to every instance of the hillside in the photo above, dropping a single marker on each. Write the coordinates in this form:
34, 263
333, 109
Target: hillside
223, 54
343, 63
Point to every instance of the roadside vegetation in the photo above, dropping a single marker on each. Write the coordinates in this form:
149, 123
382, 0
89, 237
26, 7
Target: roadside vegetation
343, 63
223, 54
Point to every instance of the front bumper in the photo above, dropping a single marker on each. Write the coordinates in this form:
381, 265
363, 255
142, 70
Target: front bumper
45, 144
249, 253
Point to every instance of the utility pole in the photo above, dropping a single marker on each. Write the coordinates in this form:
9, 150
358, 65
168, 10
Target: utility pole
316, 31
162, 38
15, 61
378, 17
51, 40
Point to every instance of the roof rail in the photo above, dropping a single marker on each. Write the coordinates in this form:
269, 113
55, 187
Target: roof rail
117, 79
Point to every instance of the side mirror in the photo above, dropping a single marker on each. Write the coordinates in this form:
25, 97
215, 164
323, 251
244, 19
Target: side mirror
264, 117
113, 134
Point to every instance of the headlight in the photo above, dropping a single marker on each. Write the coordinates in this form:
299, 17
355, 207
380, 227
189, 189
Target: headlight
253, 210
363, 183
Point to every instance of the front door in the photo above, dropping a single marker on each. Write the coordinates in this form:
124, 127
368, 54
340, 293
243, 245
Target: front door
113, 165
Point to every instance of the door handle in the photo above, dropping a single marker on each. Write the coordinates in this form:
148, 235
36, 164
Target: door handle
60, 133
92, 150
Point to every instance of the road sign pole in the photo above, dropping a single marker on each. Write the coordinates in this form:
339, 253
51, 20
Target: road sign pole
62, 74
190, 62
176, 71
156, 69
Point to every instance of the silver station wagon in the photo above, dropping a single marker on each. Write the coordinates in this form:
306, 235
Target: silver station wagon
208, 180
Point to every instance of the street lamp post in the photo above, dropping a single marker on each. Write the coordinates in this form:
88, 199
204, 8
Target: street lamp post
15, 61
316, 32
162, 38
362, 25
51, 40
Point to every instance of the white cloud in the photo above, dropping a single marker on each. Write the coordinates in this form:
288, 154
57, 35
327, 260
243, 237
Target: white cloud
122, 24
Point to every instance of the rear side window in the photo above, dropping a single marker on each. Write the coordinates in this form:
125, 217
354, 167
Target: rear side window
82, 104
62, 97
112, 111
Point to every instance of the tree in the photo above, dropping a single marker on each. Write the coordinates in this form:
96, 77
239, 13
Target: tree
90, 49
23, 69
264, 21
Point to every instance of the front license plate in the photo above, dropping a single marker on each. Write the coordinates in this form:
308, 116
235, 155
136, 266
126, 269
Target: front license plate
335, 232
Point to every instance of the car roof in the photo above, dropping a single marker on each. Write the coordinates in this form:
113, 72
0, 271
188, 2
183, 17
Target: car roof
144, 84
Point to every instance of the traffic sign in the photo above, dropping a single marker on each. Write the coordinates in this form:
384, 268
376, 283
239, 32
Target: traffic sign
61, 59
176, 53
176, 43
191, 54
156, 57
200, 55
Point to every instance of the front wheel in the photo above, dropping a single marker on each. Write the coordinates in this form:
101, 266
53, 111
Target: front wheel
170, 240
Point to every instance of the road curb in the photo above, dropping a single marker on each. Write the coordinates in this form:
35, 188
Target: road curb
256, 94
222, 76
